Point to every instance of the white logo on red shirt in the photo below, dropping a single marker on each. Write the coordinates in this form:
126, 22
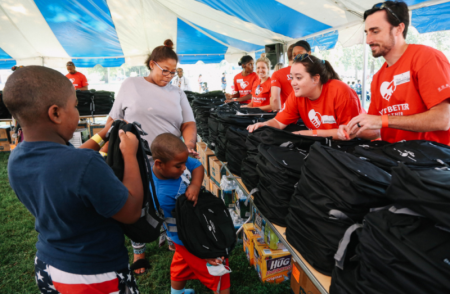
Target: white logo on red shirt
258, 90
387, 89
317, 119
72, 80
244, 85
289, 77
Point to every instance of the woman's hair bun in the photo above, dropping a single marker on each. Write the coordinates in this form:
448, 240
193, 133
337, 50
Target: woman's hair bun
168, 43
263, 55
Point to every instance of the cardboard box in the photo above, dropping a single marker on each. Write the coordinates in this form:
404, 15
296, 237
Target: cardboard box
95, 128
249, 235
216, 171
5, 133
4, 145
205, 182
273, 266
259, 222
205, 155
216, 190
271, 239
14, 138
300, 283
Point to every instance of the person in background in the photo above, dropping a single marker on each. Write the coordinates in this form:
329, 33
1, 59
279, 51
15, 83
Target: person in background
353, 86
224, 83
281, 84
180, 81
200, 82
278, 66
261, 90
78, 79
159, 107
319, 98
411, 91
244, 82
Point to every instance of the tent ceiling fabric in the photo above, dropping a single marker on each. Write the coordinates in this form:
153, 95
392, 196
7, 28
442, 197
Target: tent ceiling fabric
111, 32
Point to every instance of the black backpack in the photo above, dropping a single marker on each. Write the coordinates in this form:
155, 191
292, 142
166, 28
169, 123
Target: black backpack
147, 228
206, 230
235, 151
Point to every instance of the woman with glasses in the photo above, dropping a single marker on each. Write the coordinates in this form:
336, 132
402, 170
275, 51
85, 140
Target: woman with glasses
261, 90
319, 98
244, 82
159, 107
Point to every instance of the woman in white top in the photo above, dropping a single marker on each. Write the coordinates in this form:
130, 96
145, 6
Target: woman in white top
158, 106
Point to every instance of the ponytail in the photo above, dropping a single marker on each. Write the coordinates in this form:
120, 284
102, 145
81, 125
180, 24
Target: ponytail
315, 66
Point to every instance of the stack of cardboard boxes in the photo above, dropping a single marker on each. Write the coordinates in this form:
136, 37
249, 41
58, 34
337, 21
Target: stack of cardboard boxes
5, 138
213, 169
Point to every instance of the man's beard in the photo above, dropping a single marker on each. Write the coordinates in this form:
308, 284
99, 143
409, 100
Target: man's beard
386, 48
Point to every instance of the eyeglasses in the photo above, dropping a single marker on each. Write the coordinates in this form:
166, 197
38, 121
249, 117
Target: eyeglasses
166, 72
382, 5
302, 57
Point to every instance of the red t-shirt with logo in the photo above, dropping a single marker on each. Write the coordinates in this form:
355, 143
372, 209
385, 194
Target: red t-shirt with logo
337, 105
78, 80
419, 80
261, 93
244, 85
281, 79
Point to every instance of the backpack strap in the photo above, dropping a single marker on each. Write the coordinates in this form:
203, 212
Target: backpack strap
171, 221
404, 210
339, 257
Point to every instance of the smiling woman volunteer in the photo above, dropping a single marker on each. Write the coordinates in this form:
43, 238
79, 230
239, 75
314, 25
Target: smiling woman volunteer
244, 82
319, 98
159, 107
261, 90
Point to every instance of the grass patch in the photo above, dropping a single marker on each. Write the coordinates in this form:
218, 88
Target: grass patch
17, 248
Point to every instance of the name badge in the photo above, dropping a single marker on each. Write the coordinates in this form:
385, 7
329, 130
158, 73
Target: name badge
402, 78
240, 80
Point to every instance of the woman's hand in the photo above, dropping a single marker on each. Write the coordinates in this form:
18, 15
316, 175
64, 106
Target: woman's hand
192, 193
228, 96
303, 133
342, 133
193, 153
256, 126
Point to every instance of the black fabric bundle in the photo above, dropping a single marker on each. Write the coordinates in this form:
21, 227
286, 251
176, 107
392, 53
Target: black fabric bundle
147, 228
279, 171
202, 106
416, 153
229, 116
4, 112
92, 102
190, 96
271, 136
206, 230
336, 190
235, 150
398, 252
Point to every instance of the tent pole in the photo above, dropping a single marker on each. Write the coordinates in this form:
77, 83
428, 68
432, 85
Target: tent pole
363, 88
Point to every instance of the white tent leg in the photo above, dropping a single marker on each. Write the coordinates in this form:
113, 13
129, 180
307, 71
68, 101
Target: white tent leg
363, 90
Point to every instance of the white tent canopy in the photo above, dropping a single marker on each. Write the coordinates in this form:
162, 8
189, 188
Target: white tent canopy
113, 32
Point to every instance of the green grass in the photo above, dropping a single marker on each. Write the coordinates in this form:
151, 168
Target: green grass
17, 251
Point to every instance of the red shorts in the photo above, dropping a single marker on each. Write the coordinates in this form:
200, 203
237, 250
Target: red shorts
186, 266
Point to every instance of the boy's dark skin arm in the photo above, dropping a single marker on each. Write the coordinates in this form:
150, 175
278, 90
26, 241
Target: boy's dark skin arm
131, 211
196, 183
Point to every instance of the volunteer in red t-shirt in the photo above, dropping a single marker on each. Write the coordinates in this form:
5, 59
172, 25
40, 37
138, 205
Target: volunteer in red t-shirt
319, 98
261, 90
244, 82
78, 79
411, 91
281, 83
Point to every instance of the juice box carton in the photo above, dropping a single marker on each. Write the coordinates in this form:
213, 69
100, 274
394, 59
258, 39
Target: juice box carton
259, 222
272, 239
249, 235
273, 266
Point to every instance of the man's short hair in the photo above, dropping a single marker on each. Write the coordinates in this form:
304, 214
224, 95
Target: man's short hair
70, 63
166, 146
180, 68
30, 91
401, 11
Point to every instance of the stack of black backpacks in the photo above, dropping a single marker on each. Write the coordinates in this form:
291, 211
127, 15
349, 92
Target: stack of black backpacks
4, 113
402, 248
230, 115
335, 191
235, 149
92, 102
202, 106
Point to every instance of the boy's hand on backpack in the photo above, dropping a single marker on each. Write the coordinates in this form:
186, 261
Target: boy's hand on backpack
214, 261
128, 143
192, 193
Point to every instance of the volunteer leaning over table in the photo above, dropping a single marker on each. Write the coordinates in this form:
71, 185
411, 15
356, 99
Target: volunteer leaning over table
159, 107
411, 91
319, 98
244, 82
